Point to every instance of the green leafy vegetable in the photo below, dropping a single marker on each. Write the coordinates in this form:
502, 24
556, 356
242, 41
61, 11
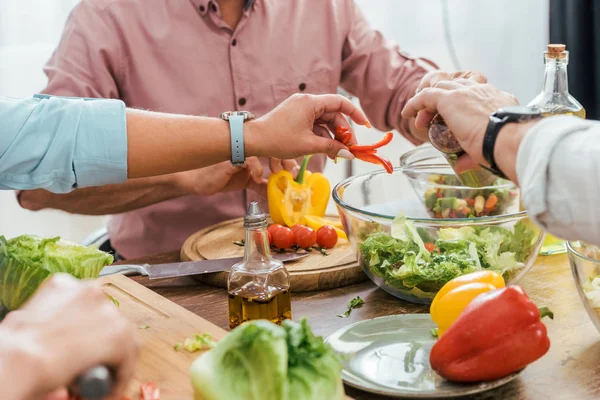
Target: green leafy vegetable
144, 326
434, 332
201, 341
403, 262
262, 361
115, 301
177, 346
354, 303
26, 261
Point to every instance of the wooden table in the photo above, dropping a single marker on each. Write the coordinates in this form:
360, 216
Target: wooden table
570, 370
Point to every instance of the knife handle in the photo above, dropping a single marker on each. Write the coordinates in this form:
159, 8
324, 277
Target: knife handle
94, 384
124, 269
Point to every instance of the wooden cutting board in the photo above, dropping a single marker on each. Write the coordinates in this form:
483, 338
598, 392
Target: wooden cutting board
169, 324
315, 272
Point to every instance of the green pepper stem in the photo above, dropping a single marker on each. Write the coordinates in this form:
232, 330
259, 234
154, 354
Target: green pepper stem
546, 312
300, 177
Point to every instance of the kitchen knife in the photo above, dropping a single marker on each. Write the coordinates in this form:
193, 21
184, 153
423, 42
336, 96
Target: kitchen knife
187, 268
94, 384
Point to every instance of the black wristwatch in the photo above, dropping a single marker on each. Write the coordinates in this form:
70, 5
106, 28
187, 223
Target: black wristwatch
498, 119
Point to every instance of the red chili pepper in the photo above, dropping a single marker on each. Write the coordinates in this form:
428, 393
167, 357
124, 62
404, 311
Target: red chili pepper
149, 392
375, 159
343, 135
500, 332
386, 140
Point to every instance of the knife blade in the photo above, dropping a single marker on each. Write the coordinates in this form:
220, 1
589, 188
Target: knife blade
187, 268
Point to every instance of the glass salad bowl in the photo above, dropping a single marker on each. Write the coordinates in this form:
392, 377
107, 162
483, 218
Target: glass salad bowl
412, 255
585, 265
444, 196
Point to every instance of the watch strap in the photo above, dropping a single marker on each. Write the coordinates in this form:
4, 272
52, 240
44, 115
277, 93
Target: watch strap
236, 129
489, 143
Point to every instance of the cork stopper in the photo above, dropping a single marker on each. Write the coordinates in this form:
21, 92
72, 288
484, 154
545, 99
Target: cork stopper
556, 51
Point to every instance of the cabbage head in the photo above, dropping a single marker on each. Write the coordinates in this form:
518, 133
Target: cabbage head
26, 261
262, 361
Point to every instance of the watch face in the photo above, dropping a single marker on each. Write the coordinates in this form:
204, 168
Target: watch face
518, 112
246, 114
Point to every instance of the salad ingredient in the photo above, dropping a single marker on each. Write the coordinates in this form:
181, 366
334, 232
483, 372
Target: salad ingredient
283, 238
26, 261
201, 341
149, 392
273, 227
354, 303
290, 200
316, 222
262, 361
591, 288
366, 153
403, 261
269, 238
144, 327
327, 236
457, 294
499, 333
305, 237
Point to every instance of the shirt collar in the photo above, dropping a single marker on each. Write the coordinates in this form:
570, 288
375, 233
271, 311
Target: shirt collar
203, 5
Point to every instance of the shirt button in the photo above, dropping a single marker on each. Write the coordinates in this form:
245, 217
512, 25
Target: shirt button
242, 101
234, 42
213, 8
302, 86
202, 8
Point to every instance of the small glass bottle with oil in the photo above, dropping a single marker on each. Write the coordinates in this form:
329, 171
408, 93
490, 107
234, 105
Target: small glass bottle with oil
258, 286
555, 99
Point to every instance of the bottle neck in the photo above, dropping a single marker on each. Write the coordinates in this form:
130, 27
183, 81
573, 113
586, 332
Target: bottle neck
555, 78
256, 246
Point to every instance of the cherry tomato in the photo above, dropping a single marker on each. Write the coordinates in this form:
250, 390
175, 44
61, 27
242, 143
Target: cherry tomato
297, 227
273, 227
149, 392
305, 237
430, 247
270, 237
327, 236
283, 238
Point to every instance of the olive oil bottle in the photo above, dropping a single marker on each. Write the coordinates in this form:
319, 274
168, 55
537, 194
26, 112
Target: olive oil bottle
555, 100
258, 286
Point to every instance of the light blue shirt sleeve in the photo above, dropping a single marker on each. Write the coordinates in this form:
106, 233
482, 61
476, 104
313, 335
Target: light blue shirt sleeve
60, 144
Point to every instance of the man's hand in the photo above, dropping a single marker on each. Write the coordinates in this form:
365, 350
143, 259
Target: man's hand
436, 79
222, 177
301, 125
67, 327
465, 107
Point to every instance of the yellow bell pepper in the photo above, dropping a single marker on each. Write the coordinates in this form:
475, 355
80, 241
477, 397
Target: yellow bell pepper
316, 222
456, 295
290, 200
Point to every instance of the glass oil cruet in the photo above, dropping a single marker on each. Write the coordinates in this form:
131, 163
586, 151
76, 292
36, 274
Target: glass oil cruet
258, 286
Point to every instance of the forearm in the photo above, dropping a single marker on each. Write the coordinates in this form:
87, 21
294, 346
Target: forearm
557, 165
105, 200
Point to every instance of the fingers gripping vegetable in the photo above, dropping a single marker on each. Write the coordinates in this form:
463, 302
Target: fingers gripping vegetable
456, 295
290, 200
262, 361
499, 333
366, 153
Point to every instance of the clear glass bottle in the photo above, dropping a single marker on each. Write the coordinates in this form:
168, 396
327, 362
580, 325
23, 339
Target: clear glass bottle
445, 142
555, 100
258, 286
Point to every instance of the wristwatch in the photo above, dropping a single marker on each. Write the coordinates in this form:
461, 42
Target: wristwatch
236, 127
497, 120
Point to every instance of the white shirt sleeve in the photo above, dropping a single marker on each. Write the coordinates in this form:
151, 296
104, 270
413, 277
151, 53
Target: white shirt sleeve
558, 165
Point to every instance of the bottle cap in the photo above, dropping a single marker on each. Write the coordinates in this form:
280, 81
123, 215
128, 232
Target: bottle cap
254, 217
556, 51
442, 138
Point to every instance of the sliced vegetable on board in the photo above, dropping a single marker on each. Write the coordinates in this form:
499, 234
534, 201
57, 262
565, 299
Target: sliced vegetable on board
316, 222
290, 200
500, 332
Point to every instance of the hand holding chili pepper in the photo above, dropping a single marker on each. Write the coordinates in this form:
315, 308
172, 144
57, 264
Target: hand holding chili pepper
366, 153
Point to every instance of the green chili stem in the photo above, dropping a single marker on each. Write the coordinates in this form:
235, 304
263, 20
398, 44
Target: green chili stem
300, 178
546, 312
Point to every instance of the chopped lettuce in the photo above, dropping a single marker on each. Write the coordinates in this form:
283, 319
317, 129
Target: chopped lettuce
260, 360
26, 261
403, 261
591, 288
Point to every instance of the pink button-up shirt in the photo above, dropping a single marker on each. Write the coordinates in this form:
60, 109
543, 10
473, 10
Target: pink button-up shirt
178, 56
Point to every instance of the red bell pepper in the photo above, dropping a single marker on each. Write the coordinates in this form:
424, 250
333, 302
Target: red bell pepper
500, 332
149, 392
366, 153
